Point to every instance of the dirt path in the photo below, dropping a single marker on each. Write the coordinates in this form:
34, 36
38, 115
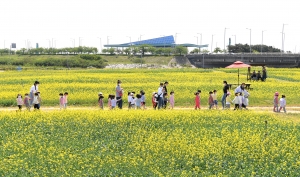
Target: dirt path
261, 109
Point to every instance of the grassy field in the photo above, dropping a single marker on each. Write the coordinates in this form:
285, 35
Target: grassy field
84, 85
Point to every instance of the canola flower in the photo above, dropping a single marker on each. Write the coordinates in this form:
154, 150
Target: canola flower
158, 143
83, 85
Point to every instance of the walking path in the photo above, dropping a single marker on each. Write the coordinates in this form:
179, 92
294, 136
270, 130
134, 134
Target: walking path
48, 108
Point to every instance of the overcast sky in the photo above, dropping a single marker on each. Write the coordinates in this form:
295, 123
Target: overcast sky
40, 21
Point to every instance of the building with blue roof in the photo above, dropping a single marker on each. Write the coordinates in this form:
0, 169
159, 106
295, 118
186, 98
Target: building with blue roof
165, 41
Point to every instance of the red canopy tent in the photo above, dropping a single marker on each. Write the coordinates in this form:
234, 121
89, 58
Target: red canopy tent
238, 64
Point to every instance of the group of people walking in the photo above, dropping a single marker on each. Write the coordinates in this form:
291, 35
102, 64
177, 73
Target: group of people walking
34, 99
160, 99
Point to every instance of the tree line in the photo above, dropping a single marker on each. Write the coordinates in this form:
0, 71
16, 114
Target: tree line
147, 49
51, 51
141, 50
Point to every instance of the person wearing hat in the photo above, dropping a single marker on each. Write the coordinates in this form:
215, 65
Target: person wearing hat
34, 89
100, 100
119, 94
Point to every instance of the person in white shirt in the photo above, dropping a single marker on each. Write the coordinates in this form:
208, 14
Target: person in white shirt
33, 89
236, 102
132, 102
246, 97
129, 97
282, 103
114, 101
160, 94
240, 88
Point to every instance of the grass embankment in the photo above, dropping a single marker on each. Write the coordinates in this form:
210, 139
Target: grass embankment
10, 62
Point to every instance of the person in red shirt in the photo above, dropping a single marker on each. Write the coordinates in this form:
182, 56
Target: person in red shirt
197, 100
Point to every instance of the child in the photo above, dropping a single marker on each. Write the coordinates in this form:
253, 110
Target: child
27, 101
282, 103
228, 100
154, 100
246, 98
197, 100
236, 101
241, 99
132, 102
35, 102
114, 101
172, 100
138, 101
211, 100
19, 101
61, 101
100, 100
143, 99
39, 99
109, 102
165, 97
129, 97
275, 101
65, 100
214, 95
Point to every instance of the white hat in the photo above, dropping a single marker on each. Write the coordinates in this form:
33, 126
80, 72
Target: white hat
100, 93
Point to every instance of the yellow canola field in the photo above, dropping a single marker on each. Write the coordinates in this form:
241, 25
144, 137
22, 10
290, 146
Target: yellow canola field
84, 85
151, 143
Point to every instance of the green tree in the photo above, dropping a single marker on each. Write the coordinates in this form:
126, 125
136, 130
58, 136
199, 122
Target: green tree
127, 51
217, 50
179, 49
111, 51
152, 50
196, 50
205, 51
144, 48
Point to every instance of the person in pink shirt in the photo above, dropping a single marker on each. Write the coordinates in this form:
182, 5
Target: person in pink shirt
276, 102
172, 99
19, 101
109, 101
61, 101
27, 101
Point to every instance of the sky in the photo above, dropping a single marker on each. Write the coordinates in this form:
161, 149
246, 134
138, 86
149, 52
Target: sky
98, 22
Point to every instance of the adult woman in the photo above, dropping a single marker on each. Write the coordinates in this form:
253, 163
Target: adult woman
34, 89
225, 90
264, 74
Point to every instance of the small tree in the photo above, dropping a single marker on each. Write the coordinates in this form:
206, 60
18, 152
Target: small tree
111, 51
205, 51
217, 50
179, 49
196, 50
127, 51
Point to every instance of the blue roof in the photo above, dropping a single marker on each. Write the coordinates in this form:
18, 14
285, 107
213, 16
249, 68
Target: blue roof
165, 41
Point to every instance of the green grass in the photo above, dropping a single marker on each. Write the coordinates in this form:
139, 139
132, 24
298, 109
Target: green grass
28, 61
